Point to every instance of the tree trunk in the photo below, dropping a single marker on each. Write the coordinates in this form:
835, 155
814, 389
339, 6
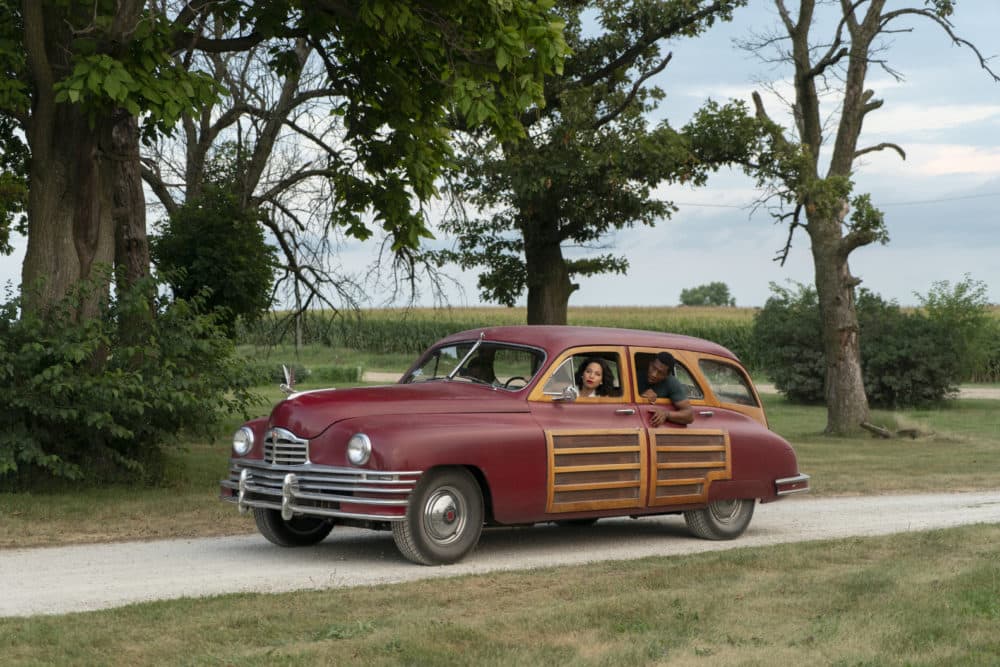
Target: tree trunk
131, 243
846, 401
549, 286
70, 229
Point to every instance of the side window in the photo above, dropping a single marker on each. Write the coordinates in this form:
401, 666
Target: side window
642, 361
605, 383
694, 392
728, 383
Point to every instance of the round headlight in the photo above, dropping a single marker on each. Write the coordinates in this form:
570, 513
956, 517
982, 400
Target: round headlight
359, 449
243, 441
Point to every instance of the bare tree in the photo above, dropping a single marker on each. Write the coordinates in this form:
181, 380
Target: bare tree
837, 220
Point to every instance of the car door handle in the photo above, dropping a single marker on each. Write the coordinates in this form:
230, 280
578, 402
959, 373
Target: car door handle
625, 411
706, 413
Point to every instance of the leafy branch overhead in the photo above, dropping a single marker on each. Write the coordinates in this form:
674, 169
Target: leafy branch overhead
534, 214
78, 71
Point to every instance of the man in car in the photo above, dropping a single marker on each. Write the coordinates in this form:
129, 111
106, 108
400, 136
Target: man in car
660, 382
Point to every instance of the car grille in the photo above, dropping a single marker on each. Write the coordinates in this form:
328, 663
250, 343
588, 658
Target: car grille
282, 447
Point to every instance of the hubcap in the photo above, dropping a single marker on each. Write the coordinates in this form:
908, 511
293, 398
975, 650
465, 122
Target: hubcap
724, 511
445, 515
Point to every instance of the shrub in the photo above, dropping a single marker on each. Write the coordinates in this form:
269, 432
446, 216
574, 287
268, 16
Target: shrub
92, 400
212, 243
907, 358
788, 332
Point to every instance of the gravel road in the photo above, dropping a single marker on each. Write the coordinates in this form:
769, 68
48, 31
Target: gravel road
58, 580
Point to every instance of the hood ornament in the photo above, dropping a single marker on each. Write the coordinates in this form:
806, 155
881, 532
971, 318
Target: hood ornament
288, 386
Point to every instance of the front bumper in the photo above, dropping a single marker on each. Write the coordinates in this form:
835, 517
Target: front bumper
321, 491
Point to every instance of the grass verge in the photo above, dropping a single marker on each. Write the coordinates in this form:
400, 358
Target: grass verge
929, 598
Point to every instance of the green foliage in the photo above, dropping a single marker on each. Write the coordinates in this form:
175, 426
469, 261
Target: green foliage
789, 330
711, 294
972, 332
87, 401
908, 358
213, 243
591, 161
393, 70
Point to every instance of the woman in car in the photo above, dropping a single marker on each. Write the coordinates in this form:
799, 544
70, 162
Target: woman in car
594, 378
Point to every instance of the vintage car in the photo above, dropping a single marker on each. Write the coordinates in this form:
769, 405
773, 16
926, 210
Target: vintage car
488, 428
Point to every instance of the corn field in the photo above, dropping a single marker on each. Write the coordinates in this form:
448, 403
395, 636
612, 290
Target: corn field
411, 331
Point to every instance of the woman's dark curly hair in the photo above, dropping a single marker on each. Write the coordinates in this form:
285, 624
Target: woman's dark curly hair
607, 386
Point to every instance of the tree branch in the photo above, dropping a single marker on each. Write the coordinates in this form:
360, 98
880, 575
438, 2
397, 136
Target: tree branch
881, 147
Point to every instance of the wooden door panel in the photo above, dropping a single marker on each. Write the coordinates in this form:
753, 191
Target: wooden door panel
596, 469
685, 462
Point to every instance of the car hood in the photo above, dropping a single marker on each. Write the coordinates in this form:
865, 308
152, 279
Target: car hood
309, 413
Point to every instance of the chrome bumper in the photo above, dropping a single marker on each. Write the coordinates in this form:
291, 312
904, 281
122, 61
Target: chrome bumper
789, 485
314, 490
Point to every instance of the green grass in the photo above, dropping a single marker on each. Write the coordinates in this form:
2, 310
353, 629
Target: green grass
957, 448
930, 598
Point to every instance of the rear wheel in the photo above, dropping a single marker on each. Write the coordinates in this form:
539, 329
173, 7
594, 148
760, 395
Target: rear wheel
444, 519
301, 531
721, 520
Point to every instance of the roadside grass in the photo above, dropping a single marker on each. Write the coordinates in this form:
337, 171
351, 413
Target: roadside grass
929, 598
956, 448
959, 449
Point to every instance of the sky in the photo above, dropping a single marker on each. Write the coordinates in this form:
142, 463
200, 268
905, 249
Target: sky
939, 204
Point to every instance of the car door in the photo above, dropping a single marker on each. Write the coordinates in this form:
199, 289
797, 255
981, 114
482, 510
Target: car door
684, 460
596, 447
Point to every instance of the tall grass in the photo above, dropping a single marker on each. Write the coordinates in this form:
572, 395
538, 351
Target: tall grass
409, 331
412, 330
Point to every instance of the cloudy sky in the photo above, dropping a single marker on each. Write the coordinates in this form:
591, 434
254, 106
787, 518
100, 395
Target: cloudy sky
940, 204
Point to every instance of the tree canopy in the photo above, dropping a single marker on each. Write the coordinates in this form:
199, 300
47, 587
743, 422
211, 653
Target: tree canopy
535, 214
79, 71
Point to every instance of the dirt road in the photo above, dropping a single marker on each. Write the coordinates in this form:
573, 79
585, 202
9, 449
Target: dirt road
78, 578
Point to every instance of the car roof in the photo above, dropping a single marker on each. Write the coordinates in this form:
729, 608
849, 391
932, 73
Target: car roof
555, 338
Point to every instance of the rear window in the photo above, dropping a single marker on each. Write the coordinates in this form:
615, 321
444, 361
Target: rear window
728, 382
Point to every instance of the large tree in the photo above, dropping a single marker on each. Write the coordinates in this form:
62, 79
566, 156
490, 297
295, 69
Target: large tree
87, 78
817, 191
537, 210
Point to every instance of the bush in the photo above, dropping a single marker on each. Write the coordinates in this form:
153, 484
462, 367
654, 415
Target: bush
907, 359
97, 401
788, 332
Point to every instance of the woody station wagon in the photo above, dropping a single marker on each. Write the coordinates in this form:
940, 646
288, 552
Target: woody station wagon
488, 428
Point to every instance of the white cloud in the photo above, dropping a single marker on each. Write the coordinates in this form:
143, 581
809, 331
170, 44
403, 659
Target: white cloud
902, 119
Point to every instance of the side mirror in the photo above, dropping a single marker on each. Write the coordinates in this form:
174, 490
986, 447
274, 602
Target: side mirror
569, 394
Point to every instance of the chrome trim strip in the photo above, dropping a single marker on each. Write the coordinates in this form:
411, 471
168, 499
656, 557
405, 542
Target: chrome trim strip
789, 481
310, 489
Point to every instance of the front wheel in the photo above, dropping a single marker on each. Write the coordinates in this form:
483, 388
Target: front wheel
444, 519
301, 531
721, 520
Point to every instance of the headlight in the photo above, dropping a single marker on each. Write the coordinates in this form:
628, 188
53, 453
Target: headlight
359, 449
243, 441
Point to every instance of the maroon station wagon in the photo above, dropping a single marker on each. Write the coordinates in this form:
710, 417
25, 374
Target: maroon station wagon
488, 428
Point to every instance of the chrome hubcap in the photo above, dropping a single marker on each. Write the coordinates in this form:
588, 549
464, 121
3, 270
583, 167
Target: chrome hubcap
445, 515
724, 511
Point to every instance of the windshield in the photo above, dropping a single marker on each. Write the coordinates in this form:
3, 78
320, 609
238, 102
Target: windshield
496, 364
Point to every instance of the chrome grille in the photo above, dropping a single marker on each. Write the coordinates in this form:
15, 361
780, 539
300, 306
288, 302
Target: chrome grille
282, 447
